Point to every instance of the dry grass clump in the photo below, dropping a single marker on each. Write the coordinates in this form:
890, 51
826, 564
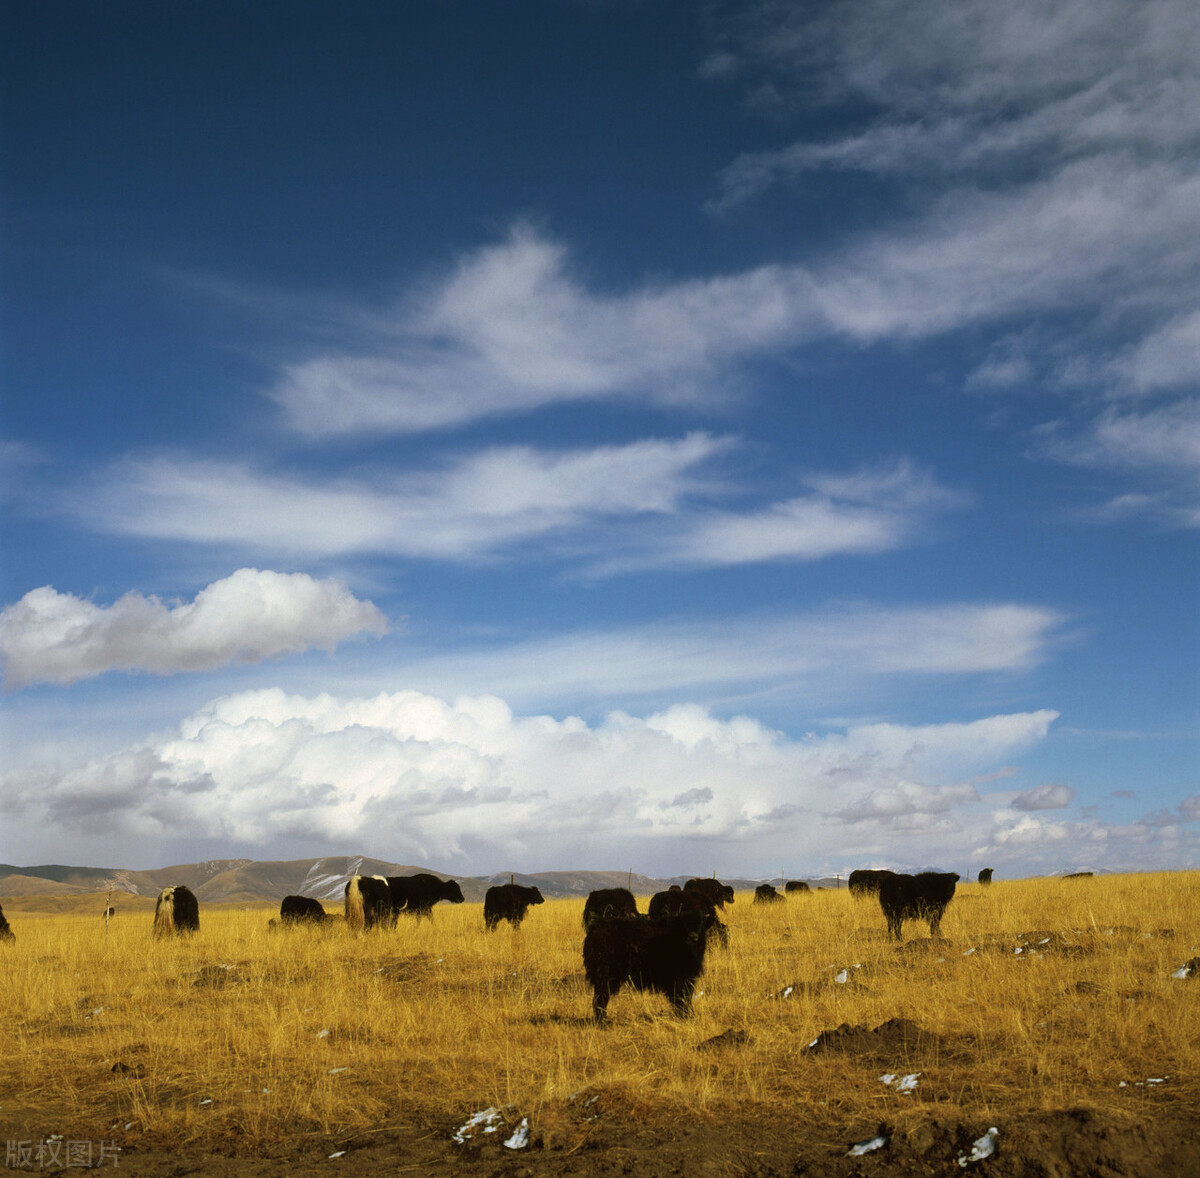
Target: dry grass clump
1043, 994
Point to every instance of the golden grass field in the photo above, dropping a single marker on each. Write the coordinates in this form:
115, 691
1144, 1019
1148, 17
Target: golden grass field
260, 1035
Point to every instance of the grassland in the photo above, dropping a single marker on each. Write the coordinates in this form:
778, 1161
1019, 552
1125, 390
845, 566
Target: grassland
251, 1038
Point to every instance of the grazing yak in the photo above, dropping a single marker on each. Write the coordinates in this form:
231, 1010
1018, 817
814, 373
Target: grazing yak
720, 894
368, 903
6, 934
766, 894
865, 882
985, 876
302, 910
415, 895
665, 955
177, 911
916, 897
508, 902
796, 885
676, 901
608, 902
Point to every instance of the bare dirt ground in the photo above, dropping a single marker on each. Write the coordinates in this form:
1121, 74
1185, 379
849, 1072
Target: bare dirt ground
1156, 1139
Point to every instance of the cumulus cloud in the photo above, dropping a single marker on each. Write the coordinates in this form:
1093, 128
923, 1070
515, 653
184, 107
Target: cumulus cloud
1044, 797
417, 778
252, 615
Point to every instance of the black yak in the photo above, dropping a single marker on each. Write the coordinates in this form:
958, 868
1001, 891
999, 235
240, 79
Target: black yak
766, 894
865, 882
720, 894
665, 955
796, 885
508, 902
985, 876
302, 910
608, 902
368, 902
916, 897
6, 934
416, 895
177, 911
676, 901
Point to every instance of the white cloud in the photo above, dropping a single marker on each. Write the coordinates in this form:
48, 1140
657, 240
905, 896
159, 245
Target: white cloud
252, 615
1167, 358
1044, 797
825, 650
464, 509
420, 779
975, 86
864, 513
1160, 445
511, 329
644, 500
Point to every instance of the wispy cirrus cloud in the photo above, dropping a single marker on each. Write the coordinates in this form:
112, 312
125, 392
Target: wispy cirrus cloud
823, 649
462, 509
511, 328
653, 503
250, 616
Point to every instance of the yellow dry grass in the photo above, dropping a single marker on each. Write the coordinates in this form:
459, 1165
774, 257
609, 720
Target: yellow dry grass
269, 1034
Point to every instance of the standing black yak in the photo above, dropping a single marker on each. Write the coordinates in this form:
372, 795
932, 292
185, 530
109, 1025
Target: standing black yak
796, 885
177, 911
676, 901
302, 910
916, 897
608, 902
985, 876
415, 895
766, 894
720, 894
6, 934
368, 902
508, 902
665, 955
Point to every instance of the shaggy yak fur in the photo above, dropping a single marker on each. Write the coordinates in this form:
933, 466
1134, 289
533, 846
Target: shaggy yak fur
608, 902
6, 934
177, 911
985, 876
508, 902
720, 894
416, 895
676, 901
766, 894
796, 885
916, 897
665, 955
866, 883
368, 903
302, 910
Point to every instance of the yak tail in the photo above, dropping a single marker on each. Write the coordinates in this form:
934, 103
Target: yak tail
164, 914
356, 917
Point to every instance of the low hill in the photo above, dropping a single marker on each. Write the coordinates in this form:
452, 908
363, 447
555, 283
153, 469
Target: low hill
237, 881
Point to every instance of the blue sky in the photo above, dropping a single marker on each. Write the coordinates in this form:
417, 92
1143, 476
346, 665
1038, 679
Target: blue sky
528, 436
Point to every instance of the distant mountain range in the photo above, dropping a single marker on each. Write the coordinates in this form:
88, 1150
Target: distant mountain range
246, 881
